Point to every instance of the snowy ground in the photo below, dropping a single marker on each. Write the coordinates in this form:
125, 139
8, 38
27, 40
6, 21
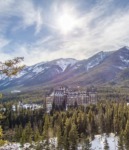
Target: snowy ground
27, 146
97, 143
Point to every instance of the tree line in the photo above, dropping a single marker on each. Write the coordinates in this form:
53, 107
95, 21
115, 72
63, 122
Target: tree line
76, 125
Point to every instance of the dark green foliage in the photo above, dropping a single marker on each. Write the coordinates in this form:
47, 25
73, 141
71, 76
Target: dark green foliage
126, 135
70, 127
36, 135
106, 146
46, 132
18, 132
27, 134
59, 138
121, 142
73, 137
86, 144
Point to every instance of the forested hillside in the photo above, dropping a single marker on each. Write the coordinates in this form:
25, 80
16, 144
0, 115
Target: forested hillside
77, 125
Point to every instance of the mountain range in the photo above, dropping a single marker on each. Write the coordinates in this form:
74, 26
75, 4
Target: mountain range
102, 68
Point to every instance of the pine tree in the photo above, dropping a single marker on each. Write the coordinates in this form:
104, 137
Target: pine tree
23, 138
66, 134
121, 142
18, 133
86, 144
126, 135
9, 68
28, 133
106, 146
73, 137
45, 132
59, 138
37, 136
2, 142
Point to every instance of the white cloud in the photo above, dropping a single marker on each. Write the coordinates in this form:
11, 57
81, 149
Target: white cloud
3, 42
99, 28
25, 10
30, 14
98, 31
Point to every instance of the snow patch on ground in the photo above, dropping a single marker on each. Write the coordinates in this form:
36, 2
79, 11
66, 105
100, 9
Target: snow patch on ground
27, 146
98, 142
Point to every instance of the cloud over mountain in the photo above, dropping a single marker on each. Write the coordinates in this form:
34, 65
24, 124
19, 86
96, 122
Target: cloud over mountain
46, 30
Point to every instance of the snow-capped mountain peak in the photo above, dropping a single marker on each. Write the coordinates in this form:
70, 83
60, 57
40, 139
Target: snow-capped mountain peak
101, 67
64, 63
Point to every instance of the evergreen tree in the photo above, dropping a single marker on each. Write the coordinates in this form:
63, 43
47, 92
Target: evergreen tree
66, 134
126, 135
106, 146
28, 133
2, 142
9, 68
37, 136
121, 142
18, 133
46, 132
23, 138
86, 144
59, 138
73, 137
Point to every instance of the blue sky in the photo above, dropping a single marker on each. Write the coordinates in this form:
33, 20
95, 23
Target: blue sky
43, 30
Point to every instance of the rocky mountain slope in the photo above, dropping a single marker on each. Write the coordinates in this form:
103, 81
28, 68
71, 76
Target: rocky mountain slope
103, 67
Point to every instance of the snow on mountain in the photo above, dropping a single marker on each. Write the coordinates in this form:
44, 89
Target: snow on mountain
37, 70
126, 47
3, 77
121, 68
124, 60
41, 63
96, 60
37, 65
38, 73
91, 62
64, 63
103, 64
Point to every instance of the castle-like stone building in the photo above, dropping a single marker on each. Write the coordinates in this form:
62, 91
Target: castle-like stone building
69, 97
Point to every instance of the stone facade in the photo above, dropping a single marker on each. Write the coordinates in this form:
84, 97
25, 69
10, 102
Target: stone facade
70, 97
